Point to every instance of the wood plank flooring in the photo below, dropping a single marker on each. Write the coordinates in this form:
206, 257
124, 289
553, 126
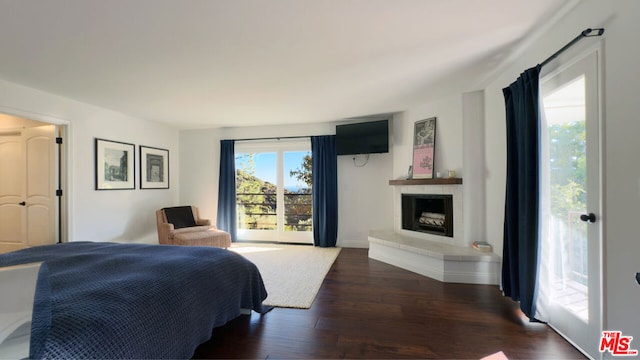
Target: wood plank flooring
368, 309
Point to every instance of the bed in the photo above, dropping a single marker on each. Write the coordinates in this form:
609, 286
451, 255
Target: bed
108, 300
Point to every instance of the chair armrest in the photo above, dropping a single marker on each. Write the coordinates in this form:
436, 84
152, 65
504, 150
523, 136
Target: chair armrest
167, 227
165, 232
203, 222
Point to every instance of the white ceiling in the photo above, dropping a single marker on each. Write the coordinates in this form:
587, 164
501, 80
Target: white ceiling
215, 63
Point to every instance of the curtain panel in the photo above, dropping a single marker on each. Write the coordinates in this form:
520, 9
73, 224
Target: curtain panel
521, 244
226, 219
324, 177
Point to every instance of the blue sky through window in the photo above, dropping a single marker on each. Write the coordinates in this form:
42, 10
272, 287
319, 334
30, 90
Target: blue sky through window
265, 167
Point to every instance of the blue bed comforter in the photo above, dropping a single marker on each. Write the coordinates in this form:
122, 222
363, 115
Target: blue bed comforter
107, 300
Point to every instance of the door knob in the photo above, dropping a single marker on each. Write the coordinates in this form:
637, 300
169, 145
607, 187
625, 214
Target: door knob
591, 217
22, 203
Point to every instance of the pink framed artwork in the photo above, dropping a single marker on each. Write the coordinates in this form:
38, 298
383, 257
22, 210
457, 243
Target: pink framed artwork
424, 141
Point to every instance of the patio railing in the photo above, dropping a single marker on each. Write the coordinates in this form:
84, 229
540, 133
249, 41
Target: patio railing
257, 211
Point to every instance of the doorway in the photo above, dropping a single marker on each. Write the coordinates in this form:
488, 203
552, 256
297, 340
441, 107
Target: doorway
273, 191
31, 210
571, 260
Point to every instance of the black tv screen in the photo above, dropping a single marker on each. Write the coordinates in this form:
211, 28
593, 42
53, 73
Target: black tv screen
363, 138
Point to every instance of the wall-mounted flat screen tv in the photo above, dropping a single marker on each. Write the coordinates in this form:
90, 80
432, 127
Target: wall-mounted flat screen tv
363, 138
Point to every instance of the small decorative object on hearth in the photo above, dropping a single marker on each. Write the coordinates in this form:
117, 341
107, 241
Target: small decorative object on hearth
482, 246
410, 173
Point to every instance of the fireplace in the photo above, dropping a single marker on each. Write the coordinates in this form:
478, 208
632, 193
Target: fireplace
428, 213
442, 252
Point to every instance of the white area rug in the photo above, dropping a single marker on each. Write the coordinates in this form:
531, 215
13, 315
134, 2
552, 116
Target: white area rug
292, 274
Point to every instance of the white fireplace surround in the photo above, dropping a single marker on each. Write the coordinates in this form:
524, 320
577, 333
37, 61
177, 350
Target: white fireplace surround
447, 259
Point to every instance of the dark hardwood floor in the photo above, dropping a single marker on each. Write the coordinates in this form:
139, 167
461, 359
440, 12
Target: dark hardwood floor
368, 309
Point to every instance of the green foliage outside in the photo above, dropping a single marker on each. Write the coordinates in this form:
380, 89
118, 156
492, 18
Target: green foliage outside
298, 204
567, 146
257, 199
567, 153
304, 172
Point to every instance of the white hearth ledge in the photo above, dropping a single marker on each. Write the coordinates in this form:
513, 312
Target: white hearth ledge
437, 260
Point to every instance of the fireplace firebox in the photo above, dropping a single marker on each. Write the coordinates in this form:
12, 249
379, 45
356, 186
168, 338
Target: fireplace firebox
432, 214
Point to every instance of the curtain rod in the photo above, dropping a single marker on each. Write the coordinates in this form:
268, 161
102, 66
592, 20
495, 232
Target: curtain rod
585, 33
274, 138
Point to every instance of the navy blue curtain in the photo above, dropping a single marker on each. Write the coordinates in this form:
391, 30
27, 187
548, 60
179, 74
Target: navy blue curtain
324, 168
521, 245
227, 189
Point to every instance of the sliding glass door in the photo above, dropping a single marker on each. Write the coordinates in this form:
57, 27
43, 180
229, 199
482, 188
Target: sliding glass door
273, 191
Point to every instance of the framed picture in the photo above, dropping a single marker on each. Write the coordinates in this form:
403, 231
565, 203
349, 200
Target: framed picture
154, 168
115, 165
424, 143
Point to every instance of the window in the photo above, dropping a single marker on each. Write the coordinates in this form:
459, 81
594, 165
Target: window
273, 191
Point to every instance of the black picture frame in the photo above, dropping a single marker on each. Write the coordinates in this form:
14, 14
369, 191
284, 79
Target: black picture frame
114, 165
154, 168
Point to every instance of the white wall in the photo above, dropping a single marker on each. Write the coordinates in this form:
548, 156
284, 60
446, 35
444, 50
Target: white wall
459, 147
621, 247
448, 146
365, 198
358, 187
473, 142
118, 215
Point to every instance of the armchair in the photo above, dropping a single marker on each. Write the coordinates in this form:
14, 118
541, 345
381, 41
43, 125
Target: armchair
182, 225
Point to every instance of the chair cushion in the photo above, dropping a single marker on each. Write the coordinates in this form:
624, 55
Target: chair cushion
180, 216
203, 238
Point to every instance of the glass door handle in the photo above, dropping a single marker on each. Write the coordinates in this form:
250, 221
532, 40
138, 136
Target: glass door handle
590, 217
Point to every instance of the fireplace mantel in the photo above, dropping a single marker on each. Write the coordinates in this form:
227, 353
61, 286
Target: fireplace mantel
439, 181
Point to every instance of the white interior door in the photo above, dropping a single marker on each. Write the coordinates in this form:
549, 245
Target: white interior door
570, 275
27, 188
40, 196
12, 184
